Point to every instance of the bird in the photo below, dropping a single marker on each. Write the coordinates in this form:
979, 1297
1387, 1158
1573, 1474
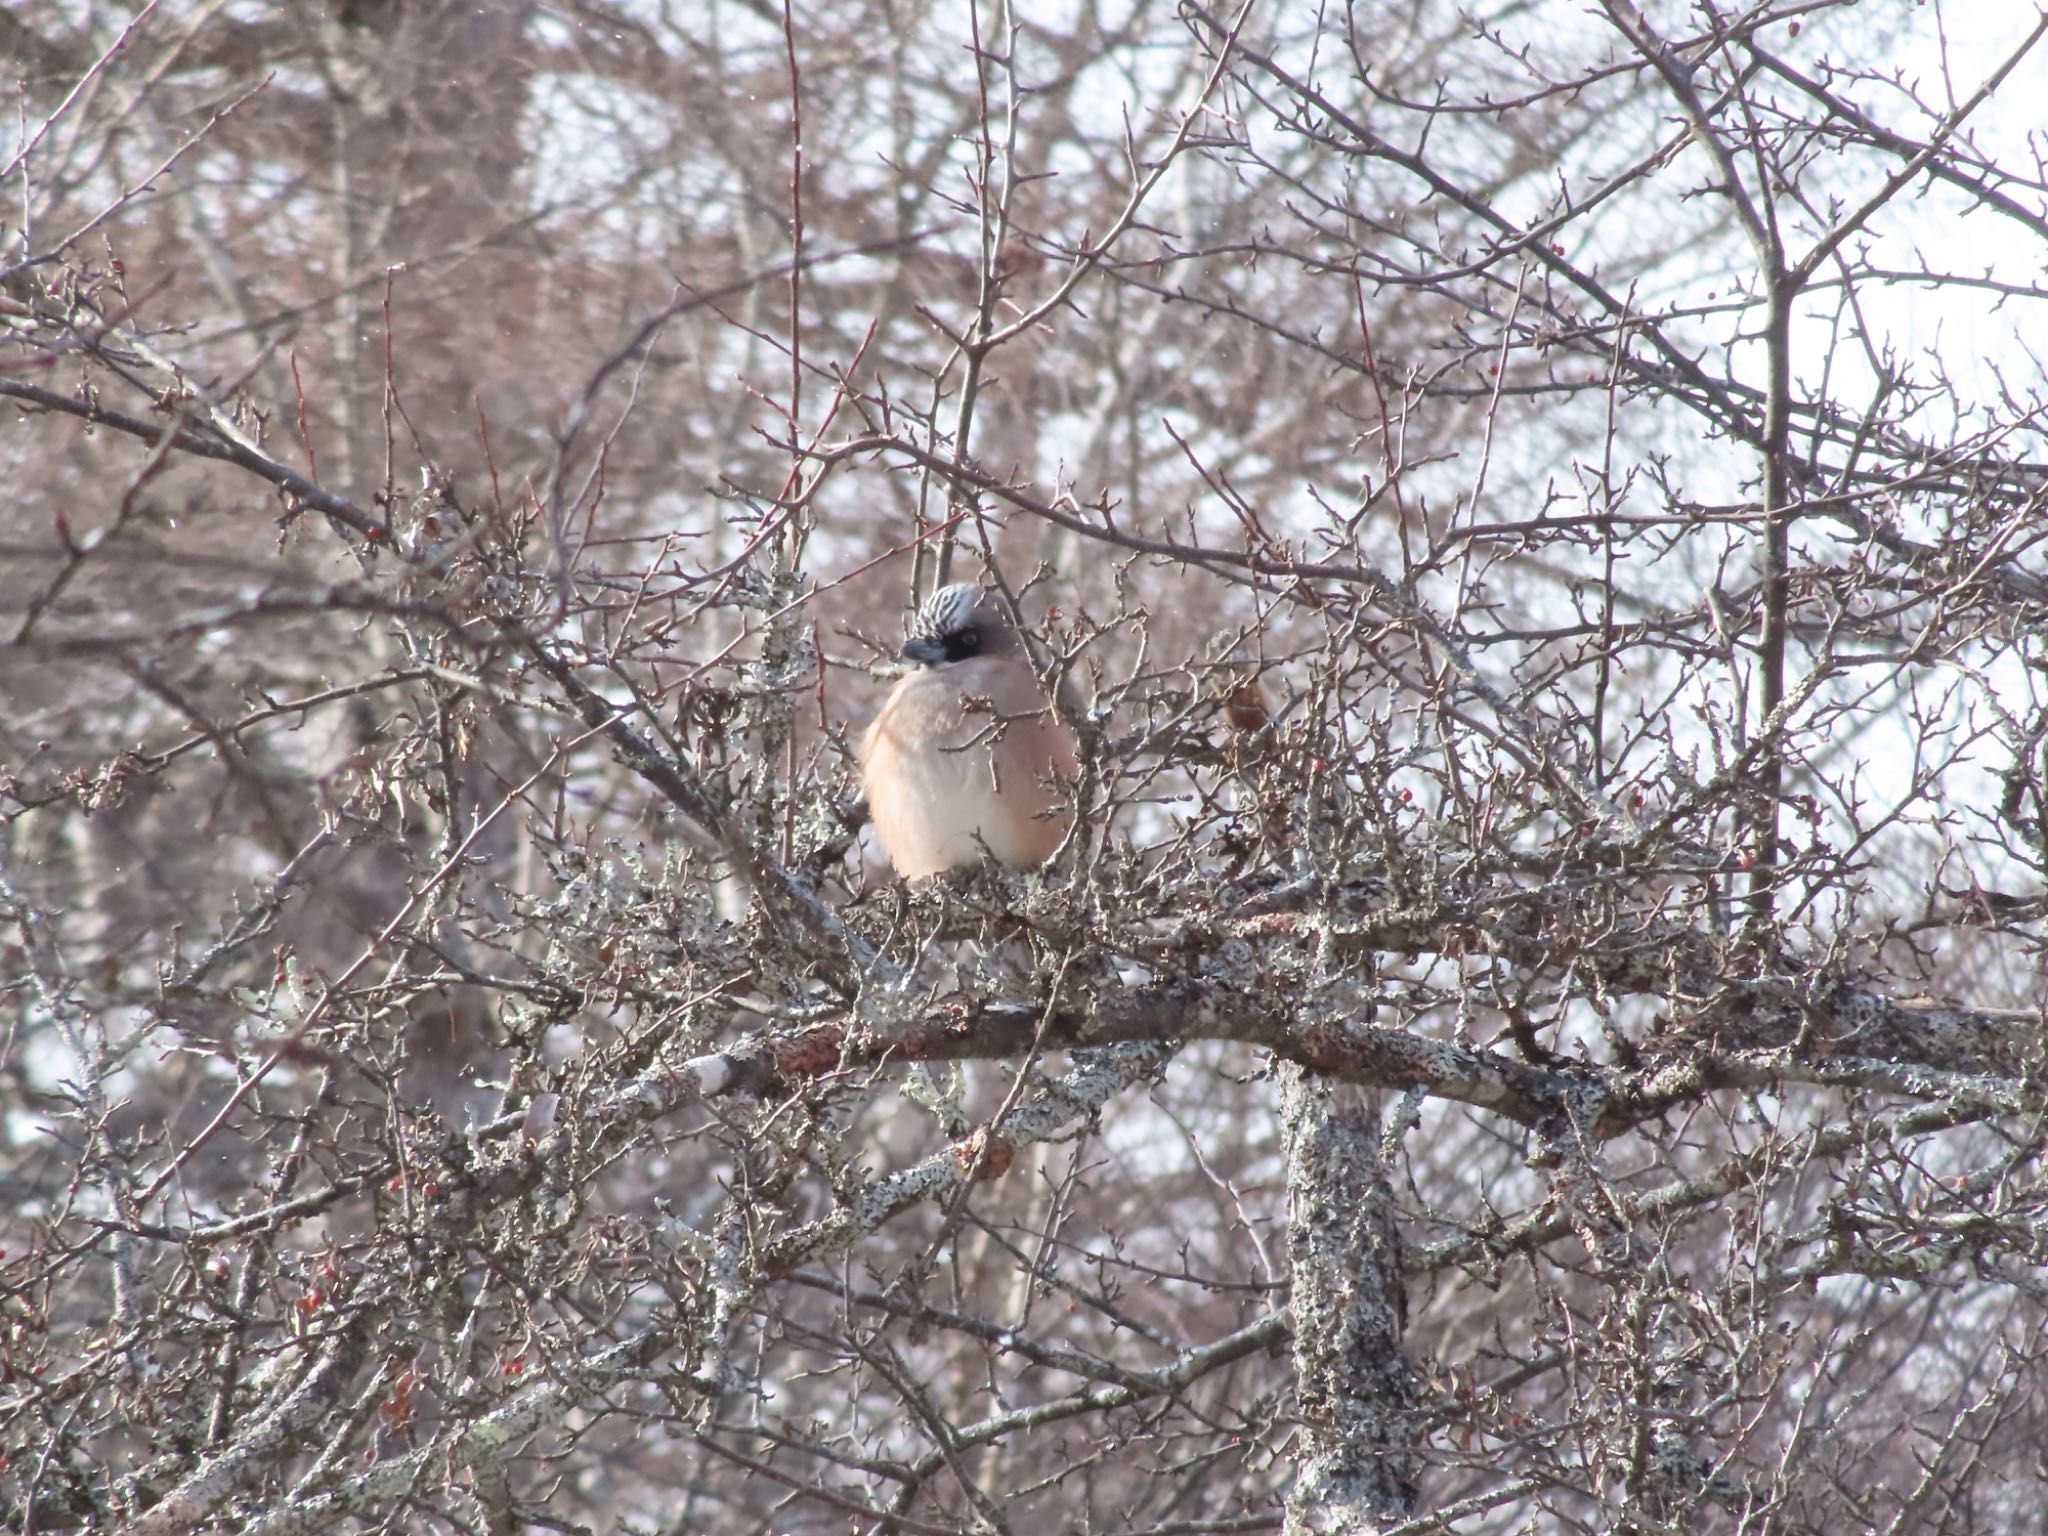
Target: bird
967, 752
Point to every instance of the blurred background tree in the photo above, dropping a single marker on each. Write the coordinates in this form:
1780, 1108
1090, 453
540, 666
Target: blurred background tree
1539, 511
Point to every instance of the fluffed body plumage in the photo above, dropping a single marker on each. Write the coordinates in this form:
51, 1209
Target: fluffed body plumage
968, 752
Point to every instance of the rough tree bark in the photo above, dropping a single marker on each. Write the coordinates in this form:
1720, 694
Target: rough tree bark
1359, 1458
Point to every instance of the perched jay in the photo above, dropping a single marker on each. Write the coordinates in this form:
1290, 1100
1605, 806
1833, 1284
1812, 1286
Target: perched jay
948, 775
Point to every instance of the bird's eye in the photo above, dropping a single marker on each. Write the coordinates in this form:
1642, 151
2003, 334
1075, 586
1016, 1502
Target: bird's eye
966, 641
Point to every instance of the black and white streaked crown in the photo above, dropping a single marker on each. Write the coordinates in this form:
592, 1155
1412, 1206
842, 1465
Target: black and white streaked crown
955, 623
947, 611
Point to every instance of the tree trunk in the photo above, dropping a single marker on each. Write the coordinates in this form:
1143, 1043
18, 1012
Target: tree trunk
1356, 1389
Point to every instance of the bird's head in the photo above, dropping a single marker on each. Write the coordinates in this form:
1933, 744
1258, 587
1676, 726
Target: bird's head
957, 623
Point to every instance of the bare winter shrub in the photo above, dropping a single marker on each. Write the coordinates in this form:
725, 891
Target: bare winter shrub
1538, 514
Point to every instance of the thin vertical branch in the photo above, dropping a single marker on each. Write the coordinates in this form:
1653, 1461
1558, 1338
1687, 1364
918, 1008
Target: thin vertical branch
796, 221
994, 179
1779, 514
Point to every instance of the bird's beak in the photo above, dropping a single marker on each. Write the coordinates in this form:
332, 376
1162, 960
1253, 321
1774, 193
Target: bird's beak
927, 652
